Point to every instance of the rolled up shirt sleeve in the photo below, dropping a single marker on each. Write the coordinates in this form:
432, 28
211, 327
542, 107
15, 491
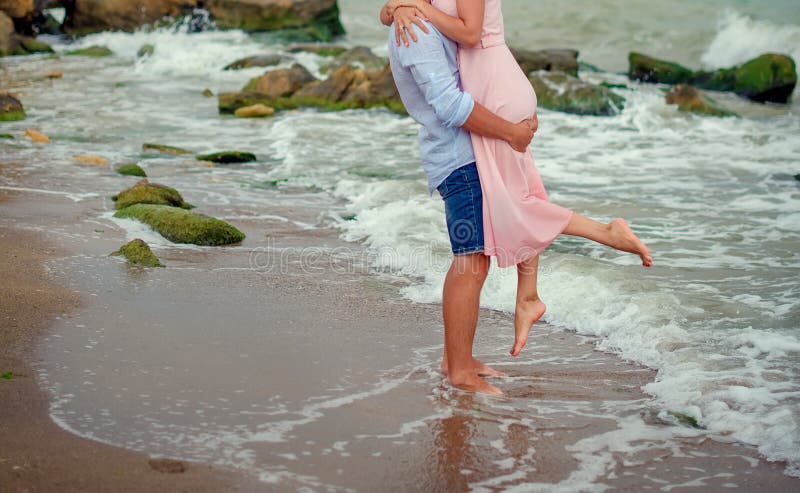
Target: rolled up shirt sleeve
427, 61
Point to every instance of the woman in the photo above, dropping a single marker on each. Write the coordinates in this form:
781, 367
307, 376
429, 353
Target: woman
519, 221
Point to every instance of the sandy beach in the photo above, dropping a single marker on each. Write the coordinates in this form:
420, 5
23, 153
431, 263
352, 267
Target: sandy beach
353, 367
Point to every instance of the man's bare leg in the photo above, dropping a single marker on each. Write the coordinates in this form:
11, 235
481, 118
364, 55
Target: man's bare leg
529, 308
481, 369
460, 308
616, 234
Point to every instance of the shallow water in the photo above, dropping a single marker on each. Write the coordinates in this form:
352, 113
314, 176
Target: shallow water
715, 199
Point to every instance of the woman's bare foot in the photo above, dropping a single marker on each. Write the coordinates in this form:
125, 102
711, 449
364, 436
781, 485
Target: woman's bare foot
470, 382
624, 239
526, 313
481, 369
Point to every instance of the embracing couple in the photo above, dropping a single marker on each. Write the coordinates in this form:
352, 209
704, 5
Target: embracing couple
477, 111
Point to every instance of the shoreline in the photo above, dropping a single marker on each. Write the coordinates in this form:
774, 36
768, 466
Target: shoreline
35, 453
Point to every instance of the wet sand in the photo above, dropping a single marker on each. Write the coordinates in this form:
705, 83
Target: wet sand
316, 374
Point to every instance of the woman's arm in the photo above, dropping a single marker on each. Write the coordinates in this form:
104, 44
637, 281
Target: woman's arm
465, 29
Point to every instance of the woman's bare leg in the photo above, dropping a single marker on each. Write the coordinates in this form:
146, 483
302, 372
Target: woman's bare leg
529, 307
616, 234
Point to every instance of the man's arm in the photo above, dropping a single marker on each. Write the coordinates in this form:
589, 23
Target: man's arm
486, 124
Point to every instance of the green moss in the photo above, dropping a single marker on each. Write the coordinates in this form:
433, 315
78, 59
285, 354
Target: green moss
228, 157
150, 193
92, 51
8, 375
138, 252
12, 116
146, 50
649, 69
164, 148
181, 226
6, 136
31, 45
131, 169
685, 419
230, 102
207, 93
558, 91
318, 49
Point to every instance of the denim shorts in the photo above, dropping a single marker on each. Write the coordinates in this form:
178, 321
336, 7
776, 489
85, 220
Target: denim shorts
463, 205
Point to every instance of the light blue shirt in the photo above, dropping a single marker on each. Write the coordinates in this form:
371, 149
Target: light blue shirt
426, 75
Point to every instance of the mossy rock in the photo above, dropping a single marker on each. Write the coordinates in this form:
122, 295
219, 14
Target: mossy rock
146, 50
298, 21
138, 252
207, 93
267, 60
6, 136
689, 99
164, 148
10, 108
149, 193
29, 46
228, 157
685, 419
229, 102
552, 60
770, 77
131, 169
255, 111
648, 69
558, 91
92, 51
182, 226
321, 49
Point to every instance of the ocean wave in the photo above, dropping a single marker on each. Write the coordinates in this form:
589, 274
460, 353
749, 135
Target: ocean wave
740, 38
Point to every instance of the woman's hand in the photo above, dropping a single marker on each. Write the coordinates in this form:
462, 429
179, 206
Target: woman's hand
404, 20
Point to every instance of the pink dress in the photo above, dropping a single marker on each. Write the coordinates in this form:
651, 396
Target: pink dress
518, 220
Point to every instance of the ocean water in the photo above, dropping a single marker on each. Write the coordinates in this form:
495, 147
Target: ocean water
715, 199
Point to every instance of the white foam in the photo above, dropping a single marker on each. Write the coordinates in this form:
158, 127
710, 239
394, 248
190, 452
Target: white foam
740, 38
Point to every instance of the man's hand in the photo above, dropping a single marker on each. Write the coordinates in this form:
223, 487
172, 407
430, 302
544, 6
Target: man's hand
522, 134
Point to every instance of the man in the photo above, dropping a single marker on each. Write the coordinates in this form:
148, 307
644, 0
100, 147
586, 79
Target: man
426, 75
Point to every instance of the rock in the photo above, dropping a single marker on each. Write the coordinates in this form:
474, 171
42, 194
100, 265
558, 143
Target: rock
255, 111
93, 51
164, 148
54, 75
16, 8
89, 159
6, 136
131, 169
647, 69
138, 252
88, 16
558, 91
37, 136
45, 23
551, 60
280, 83
29, 46
146, 50
207, 93
316, 20
169, 466
8, 38
145, 192
346, 88
770, 77
796, 177
691, 100
182, 226
321, 49
360, 56
228, 157
10, 108
307, 19
254, 61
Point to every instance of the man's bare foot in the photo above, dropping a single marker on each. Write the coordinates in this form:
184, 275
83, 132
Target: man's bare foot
470, 382
624, 239
481, 369
526, 313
